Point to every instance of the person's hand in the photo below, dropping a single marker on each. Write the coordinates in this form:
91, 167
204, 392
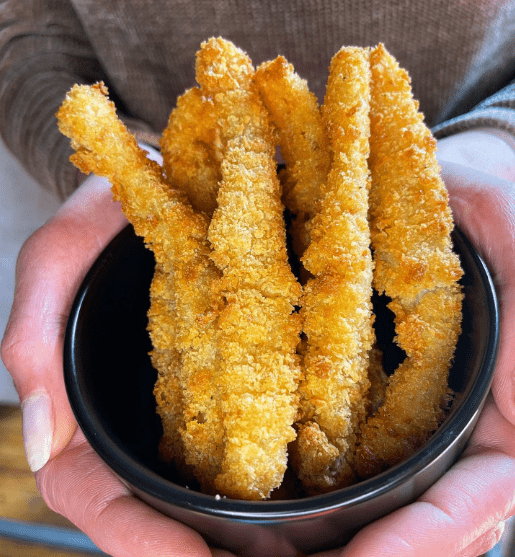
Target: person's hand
462, 515
70, 476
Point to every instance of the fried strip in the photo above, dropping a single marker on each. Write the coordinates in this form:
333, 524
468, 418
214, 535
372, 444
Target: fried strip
166, 359
410, 228
258, 331
191, 150
248, 234
336, 305
178, 238
302, 138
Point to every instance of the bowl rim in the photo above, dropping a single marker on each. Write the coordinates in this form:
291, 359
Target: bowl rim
133, 473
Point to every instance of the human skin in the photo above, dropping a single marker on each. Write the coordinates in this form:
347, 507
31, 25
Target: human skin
461, 515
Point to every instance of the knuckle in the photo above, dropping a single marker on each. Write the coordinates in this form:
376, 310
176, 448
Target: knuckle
36, 239
10, 350
43, 485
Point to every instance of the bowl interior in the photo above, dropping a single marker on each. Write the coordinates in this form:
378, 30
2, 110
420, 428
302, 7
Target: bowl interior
110, 379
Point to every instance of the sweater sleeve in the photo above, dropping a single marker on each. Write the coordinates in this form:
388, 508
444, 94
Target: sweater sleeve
497, 111
44, 50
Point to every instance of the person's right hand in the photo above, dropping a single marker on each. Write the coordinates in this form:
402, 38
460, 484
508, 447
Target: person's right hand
71, 477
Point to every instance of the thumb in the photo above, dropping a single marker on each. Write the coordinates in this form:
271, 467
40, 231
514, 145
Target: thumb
49, 270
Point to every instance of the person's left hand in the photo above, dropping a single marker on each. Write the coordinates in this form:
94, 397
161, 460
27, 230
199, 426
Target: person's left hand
462, 515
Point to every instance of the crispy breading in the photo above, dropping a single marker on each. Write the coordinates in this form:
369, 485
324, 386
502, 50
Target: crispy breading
259, 381
178, 238
166, 359
258, 330
238, 385
248, 235
191, 150
415, 266
302, 139
409, 196
336, 305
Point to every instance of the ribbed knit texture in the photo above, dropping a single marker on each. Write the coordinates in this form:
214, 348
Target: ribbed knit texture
497, 111
458, 52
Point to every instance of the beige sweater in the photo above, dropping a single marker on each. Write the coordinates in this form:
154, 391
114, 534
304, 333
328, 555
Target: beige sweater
459, 53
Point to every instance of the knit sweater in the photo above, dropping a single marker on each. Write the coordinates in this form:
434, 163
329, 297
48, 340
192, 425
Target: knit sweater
460, 55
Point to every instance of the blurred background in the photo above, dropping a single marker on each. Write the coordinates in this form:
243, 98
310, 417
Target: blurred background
24, 206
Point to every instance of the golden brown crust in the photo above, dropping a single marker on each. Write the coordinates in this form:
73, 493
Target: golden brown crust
302, 139
191, 150
415, 266
258, 331
411, 219
336, 305
259, 378
222, 320
251, 223
178, 238
167, 361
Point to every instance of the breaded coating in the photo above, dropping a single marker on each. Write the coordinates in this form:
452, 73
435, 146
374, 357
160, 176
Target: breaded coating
258, 331
191, 150
258, 337
248, 234
410, 229
336, 305
166, 359
302, 138
254, 370
178, 238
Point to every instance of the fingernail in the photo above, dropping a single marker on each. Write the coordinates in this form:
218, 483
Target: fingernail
499, 529
37, 429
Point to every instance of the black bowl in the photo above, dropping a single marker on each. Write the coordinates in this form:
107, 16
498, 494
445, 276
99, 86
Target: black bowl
109, 379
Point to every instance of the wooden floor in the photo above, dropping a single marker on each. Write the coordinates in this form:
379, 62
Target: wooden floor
19, 497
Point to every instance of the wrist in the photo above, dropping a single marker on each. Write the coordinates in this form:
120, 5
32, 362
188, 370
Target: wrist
489, 150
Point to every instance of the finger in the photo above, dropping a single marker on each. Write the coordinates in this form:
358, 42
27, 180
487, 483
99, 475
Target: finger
489, 150
484, 543
79, 485
479, 546
484, 208
50, 267
493, 432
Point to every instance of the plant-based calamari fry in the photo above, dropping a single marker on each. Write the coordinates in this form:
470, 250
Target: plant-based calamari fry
336, 305
415, 266
258, 331
178, 238
248, 234
302, 138
191, 150
238, 384
166, 359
